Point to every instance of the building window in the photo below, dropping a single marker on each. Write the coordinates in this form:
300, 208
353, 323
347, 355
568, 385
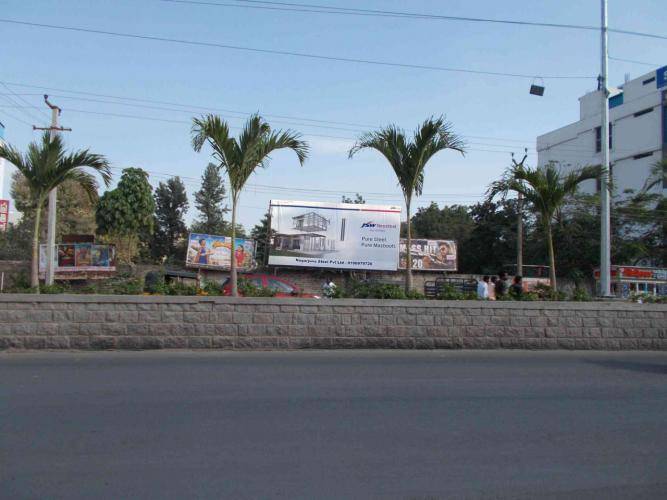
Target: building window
598, 138
643, 112
642, 155
649, 80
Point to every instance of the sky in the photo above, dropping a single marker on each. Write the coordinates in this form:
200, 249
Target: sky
329, 102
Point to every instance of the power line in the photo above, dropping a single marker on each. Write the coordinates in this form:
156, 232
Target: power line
10, 98
289, 53
328, 9
634, 62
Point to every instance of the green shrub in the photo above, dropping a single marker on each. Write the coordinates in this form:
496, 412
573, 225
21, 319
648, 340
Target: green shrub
371, 290
449, 292
247, 289
56, 288
154, 282
580, 295
176, 288
129, 286
212, 288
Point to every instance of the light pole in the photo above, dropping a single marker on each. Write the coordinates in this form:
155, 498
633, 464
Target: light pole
53, 196
519, 221
605, 206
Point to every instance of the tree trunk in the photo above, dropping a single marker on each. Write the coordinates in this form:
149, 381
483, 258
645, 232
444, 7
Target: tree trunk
232, 267
34, 272
408, 252
552, 258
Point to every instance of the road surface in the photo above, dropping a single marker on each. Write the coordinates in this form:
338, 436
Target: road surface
360, 424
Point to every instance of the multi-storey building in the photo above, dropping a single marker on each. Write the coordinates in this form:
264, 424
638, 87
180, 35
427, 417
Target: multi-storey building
637, 139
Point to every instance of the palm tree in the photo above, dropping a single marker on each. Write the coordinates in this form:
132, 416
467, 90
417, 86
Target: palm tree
546, 189
45, 166
657, 178
408, 159
240, 157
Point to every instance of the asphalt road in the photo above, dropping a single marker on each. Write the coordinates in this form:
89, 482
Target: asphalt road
334, 424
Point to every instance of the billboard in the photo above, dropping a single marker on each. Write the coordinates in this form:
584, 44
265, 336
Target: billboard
208, 251
80, 257
334, 235
430, 255
4, 212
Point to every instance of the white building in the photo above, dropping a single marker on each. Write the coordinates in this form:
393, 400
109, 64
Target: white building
638, 133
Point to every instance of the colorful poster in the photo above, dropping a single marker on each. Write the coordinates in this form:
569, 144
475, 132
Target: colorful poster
101, 256
214, 252
430, 255
334, 235
83, 254
66, 255
4, 213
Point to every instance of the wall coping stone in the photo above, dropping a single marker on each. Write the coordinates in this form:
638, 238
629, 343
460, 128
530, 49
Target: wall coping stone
610, 305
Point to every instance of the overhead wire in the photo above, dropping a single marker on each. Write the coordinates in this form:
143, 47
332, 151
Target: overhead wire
323, 57
329, 9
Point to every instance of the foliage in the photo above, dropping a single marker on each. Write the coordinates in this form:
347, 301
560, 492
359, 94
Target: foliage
260, 233
15, 241
546, 190
177, 288
209, 202
491, 243
171, 204
125, 214
45, 166
357, 200
241, 157
647, 298
127, 286
75, 209
453, 222
408, 159
374, 290
449, 292
247, 289
56, 288
154, 282
580, 295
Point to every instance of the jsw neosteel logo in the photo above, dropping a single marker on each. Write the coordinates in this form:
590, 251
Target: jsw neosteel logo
371, 224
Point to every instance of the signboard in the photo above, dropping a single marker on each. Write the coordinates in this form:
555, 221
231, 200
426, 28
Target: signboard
4, 213
334, 235
661, 77
214, 252
429, 255
80, 257
635, 273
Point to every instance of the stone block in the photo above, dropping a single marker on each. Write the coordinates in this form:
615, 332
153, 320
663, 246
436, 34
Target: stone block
129, 342
31, 342
172, 316
380, 343
565, 343
321, 343
205, 329
101, 342
223, 343
424, 343
582, 344
406, 343
79, 342
175, 342
196, 317
199, 342
299, 343
226, 330
57, 342
113, 329
262, 318
221, 317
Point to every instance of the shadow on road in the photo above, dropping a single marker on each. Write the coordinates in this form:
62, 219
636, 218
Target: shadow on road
617, 364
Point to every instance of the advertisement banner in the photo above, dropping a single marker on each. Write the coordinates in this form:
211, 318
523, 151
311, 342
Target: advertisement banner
214, 252
334, 235
79, 257
430, 255
4, 213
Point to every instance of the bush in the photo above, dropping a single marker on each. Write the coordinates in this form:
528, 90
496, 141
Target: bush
247, 289
371, 290
212, 288
580, 295
449, 292
56, 288
154, 282
177, 288
545, 292
128, 286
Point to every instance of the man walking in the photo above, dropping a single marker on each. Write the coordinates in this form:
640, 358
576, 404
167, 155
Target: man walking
483, 288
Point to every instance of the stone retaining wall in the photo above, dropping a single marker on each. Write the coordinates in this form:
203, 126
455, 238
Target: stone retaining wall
145, 322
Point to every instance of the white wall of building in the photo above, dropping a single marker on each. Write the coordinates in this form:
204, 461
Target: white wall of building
637, 139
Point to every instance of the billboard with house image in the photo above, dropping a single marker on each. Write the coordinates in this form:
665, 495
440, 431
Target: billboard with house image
334, 235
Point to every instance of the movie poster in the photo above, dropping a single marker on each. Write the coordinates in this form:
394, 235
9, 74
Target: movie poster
214, 252
430, 255
66, 255
83, 254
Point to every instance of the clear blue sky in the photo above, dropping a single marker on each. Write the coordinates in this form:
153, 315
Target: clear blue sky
358, 94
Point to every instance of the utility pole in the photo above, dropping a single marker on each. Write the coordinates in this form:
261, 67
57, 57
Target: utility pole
605, 208
519, 220
53, 195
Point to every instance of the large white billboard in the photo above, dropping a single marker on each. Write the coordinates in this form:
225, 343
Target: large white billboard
334, 235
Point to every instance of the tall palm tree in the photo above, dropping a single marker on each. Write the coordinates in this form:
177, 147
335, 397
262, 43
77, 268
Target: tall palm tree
45, 166
545, 189
658, 176
240, 157
408, 159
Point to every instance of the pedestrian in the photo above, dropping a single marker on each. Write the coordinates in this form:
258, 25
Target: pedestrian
501, 285
516, 290
329, 289
492, 287
483, 288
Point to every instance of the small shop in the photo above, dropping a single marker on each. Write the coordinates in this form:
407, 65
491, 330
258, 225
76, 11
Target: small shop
626, 280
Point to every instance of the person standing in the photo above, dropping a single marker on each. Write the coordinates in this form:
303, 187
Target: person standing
501, 285
516, 290
483, 288
492, 287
